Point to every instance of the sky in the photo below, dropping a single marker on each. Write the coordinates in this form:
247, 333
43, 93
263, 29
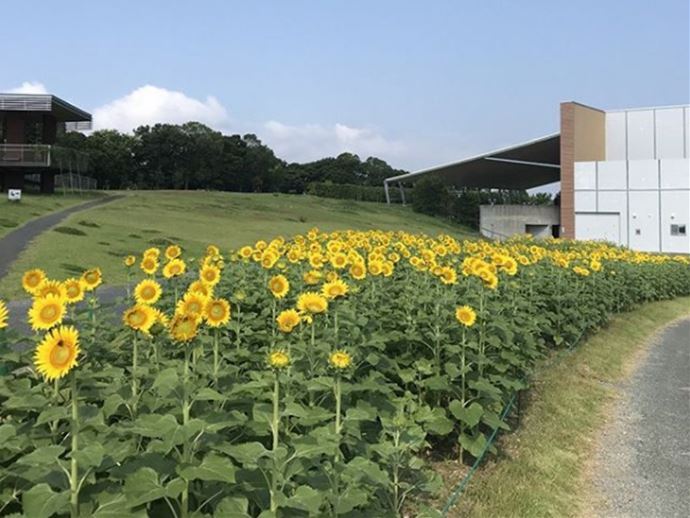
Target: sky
416, 83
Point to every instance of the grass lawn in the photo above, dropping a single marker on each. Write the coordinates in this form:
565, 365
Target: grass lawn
14, 214
542, 467
103, 235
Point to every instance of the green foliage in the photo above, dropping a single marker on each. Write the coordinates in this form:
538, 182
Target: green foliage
306, 440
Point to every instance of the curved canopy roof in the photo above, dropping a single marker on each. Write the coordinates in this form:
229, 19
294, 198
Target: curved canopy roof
522, 166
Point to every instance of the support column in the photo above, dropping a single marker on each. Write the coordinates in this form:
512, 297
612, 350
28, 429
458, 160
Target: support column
385, 189
402, 193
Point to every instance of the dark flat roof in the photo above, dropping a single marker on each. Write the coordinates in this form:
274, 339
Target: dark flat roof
521, 166
62, 110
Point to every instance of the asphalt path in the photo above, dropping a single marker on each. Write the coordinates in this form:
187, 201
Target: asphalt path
643, 463
16, 241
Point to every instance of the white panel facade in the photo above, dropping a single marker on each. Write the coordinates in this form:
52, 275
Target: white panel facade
616, 201
585, 175
675, 173
644, 220
612, 175
615, 136
640, 134
670, 133
597, 226
675, 221
643, 174
585, 201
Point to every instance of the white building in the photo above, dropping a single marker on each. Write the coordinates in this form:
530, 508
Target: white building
624, 175
639, 195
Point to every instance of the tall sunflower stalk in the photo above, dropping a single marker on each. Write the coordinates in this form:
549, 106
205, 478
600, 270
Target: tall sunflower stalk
277, 360
74, 484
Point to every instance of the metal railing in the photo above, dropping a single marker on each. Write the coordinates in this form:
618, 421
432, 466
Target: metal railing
41, 155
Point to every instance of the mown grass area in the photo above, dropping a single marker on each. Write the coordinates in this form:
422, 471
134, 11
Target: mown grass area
541, 468
103, 235
15, 213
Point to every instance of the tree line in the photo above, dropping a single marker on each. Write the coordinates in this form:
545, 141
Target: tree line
194, 156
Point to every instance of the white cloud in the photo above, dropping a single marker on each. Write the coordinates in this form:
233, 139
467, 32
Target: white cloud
313, 141
151, 104
29, 87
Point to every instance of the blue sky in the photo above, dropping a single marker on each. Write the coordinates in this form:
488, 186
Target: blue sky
416, 83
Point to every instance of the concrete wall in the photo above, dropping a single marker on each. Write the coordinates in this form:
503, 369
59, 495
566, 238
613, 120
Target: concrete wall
641, 203
502, 221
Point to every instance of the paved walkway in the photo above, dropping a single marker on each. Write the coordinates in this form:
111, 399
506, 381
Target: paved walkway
16, 241
643, 464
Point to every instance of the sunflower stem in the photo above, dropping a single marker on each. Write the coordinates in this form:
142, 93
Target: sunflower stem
135, 351
239, 321
74, 468
275, 429
216, 359
184, 504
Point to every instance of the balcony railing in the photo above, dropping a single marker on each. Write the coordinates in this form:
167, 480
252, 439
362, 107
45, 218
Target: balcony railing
39, 155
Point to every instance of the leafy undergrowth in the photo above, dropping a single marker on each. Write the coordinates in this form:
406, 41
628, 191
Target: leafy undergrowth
321, 375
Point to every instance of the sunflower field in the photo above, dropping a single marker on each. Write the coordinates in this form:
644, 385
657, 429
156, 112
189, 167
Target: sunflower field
318, 375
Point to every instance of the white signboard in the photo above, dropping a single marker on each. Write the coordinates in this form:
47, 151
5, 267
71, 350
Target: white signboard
14, 194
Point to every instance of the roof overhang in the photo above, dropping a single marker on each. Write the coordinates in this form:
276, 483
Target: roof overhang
522, 166
61, 110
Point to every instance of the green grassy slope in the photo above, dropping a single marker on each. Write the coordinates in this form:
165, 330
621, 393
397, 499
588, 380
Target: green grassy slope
14, 214
195, 219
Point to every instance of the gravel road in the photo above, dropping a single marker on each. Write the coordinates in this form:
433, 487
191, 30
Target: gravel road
642, 467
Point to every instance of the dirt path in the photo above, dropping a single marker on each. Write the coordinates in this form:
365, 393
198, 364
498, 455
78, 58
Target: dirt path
16, 241
642, 465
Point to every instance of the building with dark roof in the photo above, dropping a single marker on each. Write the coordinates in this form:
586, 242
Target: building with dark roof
29, 127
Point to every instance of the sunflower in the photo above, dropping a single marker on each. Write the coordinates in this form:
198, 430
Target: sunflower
340, 359
32, 279
287, 320
130, 260
148, 292
245, 252
49, 287
339, 261
202, 289
333, 290
448, 275
279, 286
46, 312
92, 278
311, 302
217, 312
57, 353
174, 268
375, 267
210, 275
268, 259
173, 252
183, 328
212, 251
152, 252
465, 315
312, 277
3, 314
358, 271
149, 264
74, 290
191, 304
278, 359
139, 317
